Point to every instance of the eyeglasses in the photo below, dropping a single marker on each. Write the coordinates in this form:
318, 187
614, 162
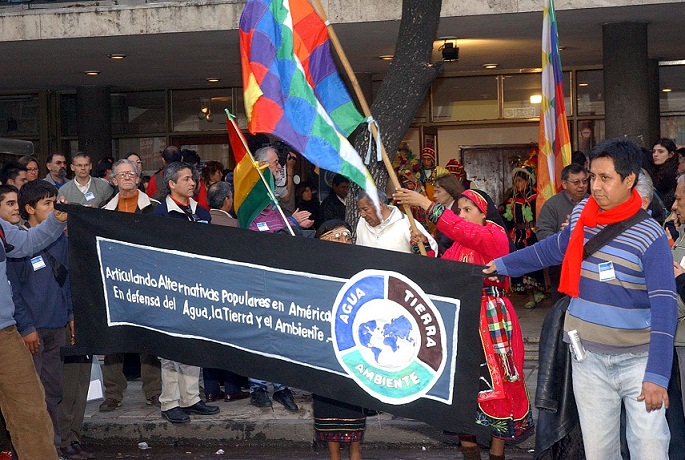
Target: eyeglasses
126, 174
578, 182
82, 166
337, 235
32, 169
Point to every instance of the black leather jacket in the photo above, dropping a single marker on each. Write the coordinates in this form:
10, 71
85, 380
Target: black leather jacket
558, 428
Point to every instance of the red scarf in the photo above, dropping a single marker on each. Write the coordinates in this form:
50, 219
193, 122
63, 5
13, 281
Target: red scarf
590, 217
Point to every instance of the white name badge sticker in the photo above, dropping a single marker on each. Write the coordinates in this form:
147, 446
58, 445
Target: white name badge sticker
606, 271
89, 196
37, 263
262, 227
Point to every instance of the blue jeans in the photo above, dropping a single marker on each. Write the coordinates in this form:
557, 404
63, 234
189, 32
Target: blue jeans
600, 383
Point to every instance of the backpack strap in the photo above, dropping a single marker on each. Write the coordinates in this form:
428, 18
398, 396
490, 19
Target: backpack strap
611, 231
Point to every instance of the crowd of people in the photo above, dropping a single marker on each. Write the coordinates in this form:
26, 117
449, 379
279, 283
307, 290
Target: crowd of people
625, 299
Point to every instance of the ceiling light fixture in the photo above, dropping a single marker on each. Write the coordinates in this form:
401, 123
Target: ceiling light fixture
536, 98
92, 73
213, 80
583, 85
386, 57
116, 56
666, 90
489, 66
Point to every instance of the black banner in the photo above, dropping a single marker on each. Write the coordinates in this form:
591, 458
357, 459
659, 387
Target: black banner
384, 330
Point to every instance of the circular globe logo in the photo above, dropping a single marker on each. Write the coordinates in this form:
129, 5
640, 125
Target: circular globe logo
389, 336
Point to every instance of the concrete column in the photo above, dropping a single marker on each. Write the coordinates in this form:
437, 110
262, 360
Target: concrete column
627, 90
94, 121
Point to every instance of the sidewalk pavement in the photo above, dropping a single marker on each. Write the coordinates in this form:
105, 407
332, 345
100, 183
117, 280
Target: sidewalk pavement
241, 424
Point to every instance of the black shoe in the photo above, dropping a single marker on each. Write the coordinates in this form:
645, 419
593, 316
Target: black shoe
200, 408
285, 397
176, 415
260, 398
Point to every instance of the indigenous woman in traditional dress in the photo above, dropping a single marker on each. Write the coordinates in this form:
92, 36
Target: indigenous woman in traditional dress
337, 422
520, 216
478, 234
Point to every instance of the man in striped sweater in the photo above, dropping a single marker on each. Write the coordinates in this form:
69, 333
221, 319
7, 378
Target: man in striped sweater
623, 306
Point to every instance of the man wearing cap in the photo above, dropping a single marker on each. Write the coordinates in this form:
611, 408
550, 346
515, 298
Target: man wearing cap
429, 170
457, 170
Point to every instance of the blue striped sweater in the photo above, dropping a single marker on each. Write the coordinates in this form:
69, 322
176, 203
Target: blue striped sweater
636, 311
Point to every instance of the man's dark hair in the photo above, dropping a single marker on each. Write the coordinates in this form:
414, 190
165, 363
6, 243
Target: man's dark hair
339, 179
171, 154
50, 157
11, 171
217, 194
623, 152
103, 166
5, 189
190, 156
32, 192
573, 168
578, 157
171, 173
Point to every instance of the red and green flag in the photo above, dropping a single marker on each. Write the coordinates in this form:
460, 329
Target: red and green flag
250, 194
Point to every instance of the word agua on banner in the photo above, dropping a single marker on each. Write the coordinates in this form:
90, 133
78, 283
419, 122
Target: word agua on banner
377, 328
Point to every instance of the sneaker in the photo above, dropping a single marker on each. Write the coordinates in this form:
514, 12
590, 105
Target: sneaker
260, 398
109, 404
153, 401
285, 397
176, 415
6, 455
200, 408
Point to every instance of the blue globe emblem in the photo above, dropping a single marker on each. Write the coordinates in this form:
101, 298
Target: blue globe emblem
389, 337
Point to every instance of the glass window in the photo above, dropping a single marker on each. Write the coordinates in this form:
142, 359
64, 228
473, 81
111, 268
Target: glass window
148, 149
672, 89
465, 98
200, 110
590, 133
69, 114
567, 94
20, 115
241, 117
138, 112
674, 128
522, 95
590, 92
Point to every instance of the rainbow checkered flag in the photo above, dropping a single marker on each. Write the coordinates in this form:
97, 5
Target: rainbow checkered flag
292, 88
553, 139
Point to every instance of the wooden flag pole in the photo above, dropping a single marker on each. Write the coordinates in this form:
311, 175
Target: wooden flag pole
367, 112
231, 118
